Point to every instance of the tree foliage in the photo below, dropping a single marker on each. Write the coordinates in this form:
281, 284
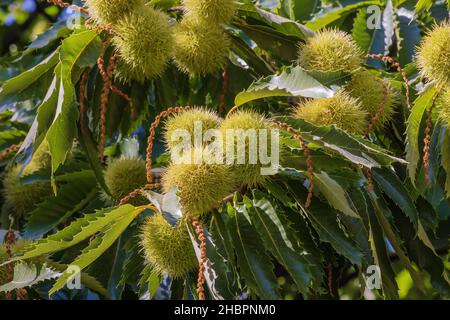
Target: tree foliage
340, 202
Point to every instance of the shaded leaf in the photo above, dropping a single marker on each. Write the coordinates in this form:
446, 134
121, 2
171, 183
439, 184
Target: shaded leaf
333, 139
98, 246
293, 81
77, 231
17, 86
421, 104
334, 193
64, 123
274, 234
323, 219
255, 266
329, 18
71, 198
394, 189
29, 275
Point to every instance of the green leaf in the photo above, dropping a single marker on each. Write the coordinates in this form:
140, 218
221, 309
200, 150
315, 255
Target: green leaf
395, 242
89, 146
357, 150
293, 157
282, 25
423, 256
28, 275
85, 278
12, 136
153, 283
298, 11
272, 33
46, 111
424, 5
149, 281
218, 275
359, 228
19, 85
222, 238
421, 104
274, 234
58, 30
360, 33
308, 243
71, 198
409, 34
244, 51
293, 81
98, 246
330, 18
324, 220
75, 53
77, 231
336, 196
381, 257
134, 262
255, 266
395, 189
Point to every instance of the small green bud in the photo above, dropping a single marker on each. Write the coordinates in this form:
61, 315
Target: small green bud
433, 54
168, 248
212, 11
248, 173
201, 186
200, 48
123, 176
110, 12
21, 199
144, 44
186, 120
330, 50
373, 93
341, 110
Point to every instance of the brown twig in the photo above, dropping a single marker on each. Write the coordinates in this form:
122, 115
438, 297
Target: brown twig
309, 162
92, 25
63, 4
232, 110
369, 177
426, 146
137, 192
330, 279
104, 99
108, 79
126, 97
7, 152
376, 117
176, 9
10, 239
101, 59
151, 137
148, 160
396, 65
201, 267
21, 294
223, 95
427, 139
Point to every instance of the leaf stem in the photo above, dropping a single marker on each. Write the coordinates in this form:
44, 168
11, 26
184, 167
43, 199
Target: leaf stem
404, 260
